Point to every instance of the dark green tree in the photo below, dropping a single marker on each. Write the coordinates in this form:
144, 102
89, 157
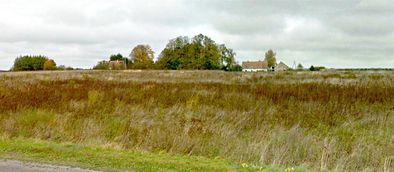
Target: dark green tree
177, 55
317, 68
29, 63
200, 52
235, 68
207, 53
115, 57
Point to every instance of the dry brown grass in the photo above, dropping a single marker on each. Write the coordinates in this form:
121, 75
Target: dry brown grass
322, 120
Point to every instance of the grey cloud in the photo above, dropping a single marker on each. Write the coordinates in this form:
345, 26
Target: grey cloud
358, 31
249, 25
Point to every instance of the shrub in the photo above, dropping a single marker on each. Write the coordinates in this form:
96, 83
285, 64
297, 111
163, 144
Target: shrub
61, 67
102, 65
317, 68
236, 68
69, 68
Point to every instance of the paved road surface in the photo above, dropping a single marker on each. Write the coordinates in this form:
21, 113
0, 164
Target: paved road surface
18, 166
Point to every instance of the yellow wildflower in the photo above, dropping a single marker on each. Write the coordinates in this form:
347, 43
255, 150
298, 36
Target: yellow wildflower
244, 165
289, 169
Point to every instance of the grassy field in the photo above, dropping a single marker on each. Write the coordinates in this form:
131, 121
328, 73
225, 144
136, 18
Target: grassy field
339, 121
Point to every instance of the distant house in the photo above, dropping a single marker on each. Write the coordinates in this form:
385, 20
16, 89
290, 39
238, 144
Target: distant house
281, 67
254, 66
117, 65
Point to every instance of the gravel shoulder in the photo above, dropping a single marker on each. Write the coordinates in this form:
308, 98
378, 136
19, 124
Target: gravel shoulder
19, 166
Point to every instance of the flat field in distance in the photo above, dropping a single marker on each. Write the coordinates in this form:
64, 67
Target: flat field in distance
331, 120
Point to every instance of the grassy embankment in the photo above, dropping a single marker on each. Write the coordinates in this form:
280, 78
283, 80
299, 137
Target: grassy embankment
328, 120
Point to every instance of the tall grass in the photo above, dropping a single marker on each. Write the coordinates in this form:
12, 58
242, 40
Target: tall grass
325, 120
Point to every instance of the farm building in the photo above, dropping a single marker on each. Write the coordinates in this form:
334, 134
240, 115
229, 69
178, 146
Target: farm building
254, 66
117, 65
281, 67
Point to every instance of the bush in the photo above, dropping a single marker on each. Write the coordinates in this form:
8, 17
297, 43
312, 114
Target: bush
102, 65
317, 68
29, 63
69, 68
61, 67
233, 68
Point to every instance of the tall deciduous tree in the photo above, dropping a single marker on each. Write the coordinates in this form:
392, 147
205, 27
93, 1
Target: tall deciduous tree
176, 55
142, 57
270, 57
207, 52
200, 52
227, 58
50, 65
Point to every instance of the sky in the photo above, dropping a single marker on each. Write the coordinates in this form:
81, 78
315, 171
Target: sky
78, 33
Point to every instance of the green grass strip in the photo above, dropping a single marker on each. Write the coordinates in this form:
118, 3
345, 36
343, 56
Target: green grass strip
106, 159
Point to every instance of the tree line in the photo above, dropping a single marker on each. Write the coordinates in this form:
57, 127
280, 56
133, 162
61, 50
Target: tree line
182, 53
35, 63
199, 52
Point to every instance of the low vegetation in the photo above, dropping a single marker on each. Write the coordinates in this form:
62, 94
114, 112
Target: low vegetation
109, 159
36, 63
339, 121
317, 68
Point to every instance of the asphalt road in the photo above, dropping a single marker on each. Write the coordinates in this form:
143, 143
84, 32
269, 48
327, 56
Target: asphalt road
18, 166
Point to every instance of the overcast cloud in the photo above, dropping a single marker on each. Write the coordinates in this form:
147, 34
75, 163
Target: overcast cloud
78, 33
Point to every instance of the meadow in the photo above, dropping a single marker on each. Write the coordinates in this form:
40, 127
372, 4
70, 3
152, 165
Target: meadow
329, 120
